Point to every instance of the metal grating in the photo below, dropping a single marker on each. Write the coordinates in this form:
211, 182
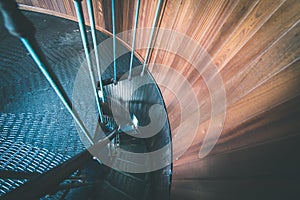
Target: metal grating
44, 130
17, 156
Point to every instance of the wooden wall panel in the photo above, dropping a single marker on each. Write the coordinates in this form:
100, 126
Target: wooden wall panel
249, 74
251, 107
63, 8
251, 24
280, 23
255, 46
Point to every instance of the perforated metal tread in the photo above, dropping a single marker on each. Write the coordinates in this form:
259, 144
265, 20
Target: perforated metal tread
55, 132
18, 156
32, 114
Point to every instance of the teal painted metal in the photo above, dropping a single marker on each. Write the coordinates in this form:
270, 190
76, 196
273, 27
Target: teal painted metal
81, 24
134, 36
114, 39
56, 88
151, 36
94, 37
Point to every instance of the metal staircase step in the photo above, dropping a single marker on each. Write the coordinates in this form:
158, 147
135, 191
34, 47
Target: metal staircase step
18, 156
43, 130
126, 183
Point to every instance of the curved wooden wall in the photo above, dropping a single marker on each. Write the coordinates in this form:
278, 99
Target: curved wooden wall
255, 46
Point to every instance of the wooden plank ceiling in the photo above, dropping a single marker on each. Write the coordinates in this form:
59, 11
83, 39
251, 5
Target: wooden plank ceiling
255, 46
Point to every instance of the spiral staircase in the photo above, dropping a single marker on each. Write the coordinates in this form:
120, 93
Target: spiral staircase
253, 47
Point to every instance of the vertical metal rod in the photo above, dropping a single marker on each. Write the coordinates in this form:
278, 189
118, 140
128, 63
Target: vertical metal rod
151, 36
134, 36
56, 88
81, 23
114, 38
94, 37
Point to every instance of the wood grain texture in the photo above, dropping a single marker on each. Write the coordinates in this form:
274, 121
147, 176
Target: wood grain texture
254, 48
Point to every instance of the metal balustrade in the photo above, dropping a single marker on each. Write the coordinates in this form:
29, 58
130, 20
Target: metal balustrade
30, 167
